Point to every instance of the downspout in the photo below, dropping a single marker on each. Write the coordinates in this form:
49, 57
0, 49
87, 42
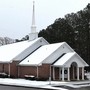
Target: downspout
50, 76
37, 71
9, 69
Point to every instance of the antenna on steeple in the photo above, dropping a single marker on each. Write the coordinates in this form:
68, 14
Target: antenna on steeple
33, 35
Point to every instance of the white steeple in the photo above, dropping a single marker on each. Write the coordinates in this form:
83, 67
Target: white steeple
33, 26
33, 35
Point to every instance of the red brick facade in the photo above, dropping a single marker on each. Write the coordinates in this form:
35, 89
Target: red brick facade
14, 69
43, 71
9, 68
4, 68
27, 70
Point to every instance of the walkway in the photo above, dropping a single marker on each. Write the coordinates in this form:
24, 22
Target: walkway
57, 85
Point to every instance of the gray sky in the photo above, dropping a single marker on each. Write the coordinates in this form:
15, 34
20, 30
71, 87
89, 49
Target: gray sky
16, 15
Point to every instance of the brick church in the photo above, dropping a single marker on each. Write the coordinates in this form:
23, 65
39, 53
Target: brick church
38, 58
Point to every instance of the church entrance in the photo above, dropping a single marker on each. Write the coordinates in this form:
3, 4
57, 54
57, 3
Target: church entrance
73, 71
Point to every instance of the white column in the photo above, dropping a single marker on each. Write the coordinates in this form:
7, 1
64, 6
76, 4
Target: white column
68, 74
62, 73
77, 73
82, 73
53, 74
9, 69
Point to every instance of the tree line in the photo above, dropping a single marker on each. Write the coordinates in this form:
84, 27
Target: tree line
74, 29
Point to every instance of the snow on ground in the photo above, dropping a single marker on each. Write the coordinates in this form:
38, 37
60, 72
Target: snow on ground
29, 83
44, 84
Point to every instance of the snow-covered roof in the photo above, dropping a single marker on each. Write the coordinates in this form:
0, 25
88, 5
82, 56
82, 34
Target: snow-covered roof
10, 51
64, 59
69, 58
37, 57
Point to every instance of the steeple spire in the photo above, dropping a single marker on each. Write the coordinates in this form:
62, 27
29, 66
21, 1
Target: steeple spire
33, 35
33, 26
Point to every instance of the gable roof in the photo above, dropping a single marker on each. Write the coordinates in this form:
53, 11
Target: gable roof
64, 48
10, 51
65, 60
37, 57
57, 54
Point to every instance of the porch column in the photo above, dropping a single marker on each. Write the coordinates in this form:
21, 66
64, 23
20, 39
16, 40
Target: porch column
77, 73
82, 73
62, 73
68, 74
9, 69
37, 71
53, 73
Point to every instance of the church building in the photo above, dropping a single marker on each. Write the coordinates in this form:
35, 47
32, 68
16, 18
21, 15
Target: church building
36, 57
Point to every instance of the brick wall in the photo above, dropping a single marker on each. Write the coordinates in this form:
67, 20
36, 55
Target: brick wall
4, 67
27, 70
1, 67
14, 69
43, 71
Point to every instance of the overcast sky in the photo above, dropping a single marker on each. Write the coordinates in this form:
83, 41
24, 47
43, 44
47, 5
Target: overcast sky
16, 15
